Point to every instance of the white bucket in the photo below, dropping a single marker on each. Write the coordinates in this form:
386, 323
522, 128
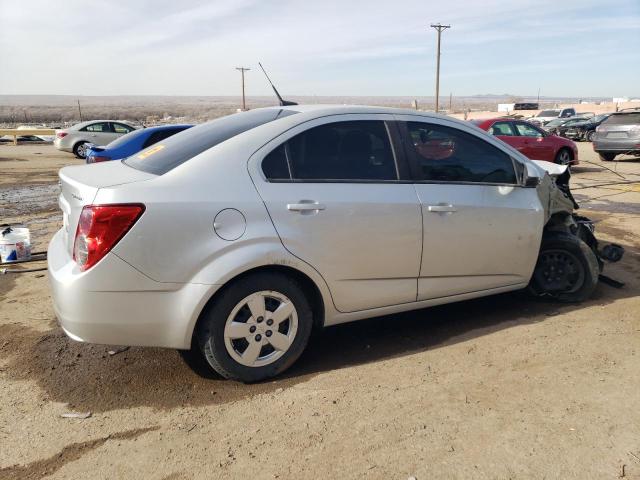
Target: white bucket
15, 244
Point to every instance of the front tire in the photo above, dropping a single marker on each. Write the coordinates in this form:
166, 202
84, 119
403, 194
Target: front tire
256, 328
564, 157
589, 136
80, 150
567, 269
606, 156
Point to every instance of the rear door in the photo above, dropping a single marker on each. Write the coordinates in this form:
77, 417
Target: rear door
482, 230
99, 133
332, 189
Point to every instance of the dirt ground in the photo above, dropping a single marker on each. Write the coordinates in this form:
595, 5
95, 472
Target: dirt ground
497, 388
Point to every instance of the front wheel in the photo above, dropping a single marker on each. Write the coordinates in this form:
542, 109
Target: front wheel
564, 157
589, 136
256, 328
567, 269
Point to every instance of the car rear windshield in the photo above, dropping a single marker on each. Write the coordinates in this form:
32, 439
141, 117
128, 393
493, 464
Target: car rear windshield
623, 119
166, 155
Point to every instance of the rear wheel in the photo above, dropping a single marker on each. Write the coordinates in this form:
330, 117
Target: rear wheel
80, 149
606, 156
564, 157
256, 328
567, 269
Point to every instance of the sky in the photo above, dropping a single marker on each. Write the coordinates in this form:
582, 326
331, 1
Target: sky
583, 48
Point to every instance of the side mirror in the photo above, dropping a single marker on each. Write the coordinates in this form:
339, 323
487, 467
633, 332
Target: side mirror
531, 182
531, 178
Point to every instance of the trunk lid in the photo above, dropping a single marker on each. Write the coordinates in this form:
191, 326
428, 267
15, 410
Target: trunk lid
80, 184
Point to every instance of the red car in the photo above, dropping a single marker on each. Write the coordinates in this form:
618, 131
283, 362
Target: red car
531, 141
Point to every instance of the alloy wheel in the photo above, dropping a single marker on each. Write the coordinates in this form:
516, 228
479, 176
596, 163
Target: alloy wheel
261, 328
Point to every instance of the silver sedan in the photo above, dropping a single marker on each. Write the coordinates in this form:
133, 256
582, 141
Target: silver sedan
237, 237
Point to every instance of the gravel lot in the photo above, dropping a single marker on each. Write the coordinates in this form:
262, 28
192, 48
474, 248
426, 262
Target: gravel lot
501, 387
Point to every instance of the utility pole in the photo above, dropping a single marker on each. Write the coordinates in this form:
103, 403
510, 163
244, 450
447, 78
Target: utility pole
79, 110
439, 28
242, 70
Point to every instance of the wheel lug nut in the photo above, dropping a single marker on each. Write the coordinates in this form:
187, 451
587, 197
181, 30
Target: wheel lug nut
259, 319
268, 333
252, 328
258, 337
270, 322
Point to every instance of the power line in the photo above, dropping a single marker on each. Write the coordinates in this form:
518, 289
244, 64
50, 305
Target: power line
440, 29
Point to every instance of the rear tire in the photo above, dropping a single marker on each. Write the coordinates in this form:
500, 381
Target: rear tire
80, 150
237, 329
567, 269
607, 157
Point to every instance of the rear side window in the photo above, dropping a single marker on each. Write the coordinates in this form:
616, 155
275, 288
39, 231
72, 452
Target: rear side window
167, 154
339, 151
623, 119
155, 137
445, 154
502, 128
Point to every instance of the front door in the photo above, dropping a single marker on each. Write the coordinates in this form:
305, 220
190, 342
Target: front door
482, 230
537, 145
331, 188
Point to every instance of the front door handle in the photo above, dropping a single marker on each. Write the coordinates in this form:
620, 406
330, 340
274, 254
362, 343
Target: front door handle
303, 206
442, 208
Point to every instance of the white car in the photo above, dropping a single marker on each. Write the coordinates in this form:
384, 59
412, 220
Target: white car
545, 116
100, 132
237, 237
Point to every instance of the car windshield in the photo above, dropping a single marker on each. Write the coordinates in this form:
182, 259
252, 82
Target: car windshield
548, 113
623, 119
168, 154
556, 122
600, 117
126, 138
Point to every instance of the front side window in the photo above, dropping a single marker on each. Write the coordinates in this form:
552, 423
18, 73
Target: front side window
121, 128
445, 154
102, 127
526, 130
340, 151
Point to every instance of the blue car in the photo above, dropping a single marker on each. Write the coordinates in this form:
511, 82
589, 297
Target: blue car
131, 143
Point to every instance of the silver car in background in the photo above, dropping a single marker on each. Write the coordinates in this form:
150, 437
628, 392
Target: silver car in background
100, 132
239, 236
618, 135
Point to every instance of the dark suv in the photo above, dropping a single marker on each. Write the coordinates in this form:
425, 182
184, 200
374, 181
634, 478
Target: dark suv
619, 134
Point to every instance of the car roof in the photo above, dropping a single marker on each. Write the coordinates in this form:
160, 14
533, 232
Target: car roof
90, 122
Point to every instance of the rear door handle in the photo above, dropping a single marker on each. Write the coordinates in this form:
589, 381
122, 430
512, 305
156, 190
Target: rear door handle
442, 208
305, 206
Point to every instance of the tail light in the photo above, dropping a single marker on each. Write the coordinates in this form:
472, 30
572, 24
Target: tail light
100, 228
100, 159
61, 134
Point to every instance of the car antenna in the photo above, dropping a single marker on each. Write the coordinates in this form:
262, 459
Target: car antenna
283, 103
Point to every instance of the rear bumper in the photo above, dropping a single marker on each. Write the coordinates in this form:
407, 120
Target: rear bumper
60, 144
619, 145
113, 303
